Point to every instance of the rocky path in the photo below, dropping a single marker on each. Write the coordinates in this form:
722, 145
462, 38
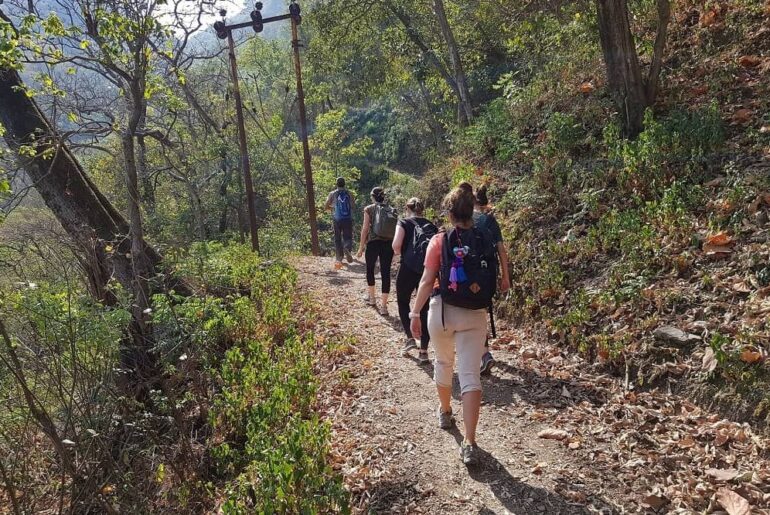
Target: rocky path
558, 436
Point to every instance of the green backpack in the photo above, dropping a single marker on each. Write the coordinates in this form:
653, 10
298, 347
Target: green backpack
385, 221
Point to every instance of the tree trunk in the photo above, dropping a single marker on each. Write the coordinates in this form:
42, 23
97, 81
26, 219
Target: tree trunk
465, 110
436, 129
664, 17
148, 189
138, 357
624, 74
87, 216
632, 92
226, 178
427, 53
196, 206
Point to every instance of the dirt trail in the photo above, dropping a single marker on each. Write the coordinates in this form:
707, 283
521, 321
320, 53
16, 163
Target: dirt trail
611, 455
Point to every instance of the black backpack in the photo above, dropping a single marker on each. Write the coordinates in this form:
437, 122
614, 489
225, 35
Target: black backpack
480, 266
414, 256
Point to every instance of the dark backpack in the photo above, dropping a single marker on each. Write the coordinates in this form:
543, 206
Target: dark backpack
480, 266
385, 221
414, 255
342, 206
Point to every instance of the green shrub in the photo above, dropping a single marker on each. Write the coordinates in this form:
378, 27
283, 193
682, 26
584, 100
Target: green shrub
268, 444
493, 134
666, 150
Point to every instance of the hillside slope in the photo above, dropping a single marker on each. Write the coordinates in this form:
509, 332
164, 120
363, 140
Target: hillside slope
557, 437
649, 257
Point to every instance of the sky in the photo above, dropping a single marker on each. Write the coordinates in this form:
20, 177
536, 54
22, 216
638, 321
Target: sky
191, 9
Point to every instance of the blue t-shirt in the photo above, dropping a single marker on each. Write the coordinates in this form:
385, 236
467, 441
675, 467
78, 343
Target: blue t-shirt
489, 222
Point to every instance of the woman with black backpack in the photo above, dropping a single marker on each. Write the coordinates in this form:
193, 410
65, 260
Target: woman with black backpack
377, 233
413, 234
461, 274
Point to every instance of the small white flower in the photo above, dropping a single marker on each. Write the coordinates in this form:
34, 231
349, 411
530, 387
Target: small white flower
183, 357
68, 442
147, 311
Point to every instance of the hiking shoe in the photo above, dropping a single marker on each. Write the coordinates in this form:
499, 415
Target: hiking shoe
348, 256
423, 357
409, 345
384, 311
445, 419
486, 363
470, 454
369, 301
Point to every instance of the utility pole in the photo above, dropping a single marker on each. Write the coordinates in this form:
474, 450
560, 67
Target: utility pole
296, 19
225, 31
245, 163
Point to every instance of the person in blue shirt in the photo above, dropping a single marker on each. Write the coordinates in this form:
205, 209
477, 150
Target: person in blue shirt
483, 217
341, 204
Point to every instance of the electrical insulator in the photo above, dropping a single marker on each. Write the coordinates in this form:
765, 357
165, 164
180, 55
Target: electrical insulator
256, 20
219, 27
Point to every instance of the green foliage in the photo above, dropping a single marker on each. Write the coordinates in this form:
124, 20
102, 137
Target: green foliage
335, 152
564, 134
667, 149
274, 446
493, 134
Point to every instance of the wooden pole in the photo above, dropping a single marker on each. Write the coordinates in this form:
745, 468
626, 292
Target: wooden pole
245, 163
311, 209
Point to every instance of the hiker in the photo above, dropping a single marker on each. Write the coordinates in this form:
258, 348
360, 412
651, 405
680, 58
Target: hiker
341, 204
460, 271
413, 234
483, 217
377, 234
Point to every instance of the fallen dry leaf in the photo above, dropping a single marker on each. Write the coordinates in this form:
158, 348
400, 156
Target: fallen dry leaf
749, 61
733, 503
709, 363
553, 434
721, 438
711, 250
722, 474
709, 18
742, 116
750, 356
654, 502
715, 182
698, 91
587, 87
687, 442
742, 287
720, 238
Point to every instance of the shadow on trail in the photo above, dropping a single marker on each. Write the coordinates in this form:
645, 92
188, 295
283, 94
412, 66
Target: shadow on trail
356, 268
388, 495
526, 385
340, 281
517, 496
535, 389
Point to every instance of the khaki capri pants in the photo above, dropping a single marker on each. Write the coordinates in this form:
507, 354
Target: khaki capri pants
462, 332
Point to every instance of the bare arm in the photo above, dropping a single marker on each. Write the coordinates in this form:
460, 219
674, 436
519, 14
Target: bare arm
364, 234
398, 240
328, 206
423, 293
505, 283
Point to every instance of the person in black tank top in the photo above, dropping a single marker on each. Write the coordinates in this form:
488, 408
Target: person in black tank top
409, 275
